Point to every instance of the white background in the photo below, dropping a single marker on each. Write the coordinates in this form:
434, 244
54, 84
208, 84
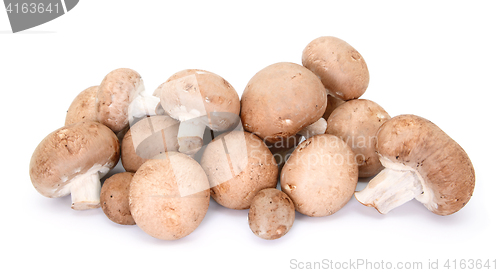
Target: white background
436, 59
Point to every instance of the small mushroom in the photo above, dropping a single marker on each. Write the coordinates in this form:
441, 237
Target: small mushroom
238, 165
271, 214
198, 98
72, 160
147, 138
422, 162
116, 92
340, 67
114, 198
320, 176
280, 100
357, 122
169, 197
83, 107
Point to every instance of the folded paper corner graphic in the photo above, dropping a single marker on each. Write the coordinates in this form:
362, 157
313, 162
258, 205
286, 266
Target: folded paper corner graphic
25, 15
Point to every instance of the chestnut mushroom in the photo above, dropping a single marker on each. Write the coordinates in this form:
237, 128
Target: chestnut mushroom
72, 159
147, 138
357, 122
340, 67
169, 196
238, 165
320, 176
198, 98
117, 92
114, 198
422, 162
280, 100
271, 214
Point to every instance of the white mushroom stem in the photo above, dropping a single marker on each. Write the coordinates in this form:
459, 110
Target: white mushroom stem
85, 191
85, 188
317, 128
190, 135
394, 186
143, 105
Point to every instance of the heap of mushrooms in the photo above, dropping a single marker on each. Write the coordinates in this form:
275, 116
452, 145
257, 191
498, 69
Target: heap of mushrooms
303, 127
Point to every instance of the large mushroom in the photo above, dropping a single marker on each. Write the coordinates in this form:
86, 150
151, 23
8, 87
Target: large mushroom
422, 162
238, 165
280, 100
320, 176
72, 160
147, 138
169, 196
357, 122
341, 68
198, 98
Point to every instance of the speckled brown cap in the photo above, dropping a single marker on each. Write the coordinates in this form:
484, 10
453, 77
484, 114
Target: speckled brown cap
152, 136
118, 89
155, 196
238, 165
193, 93
447, 172
83, 107
357, 122
320, 176
114, 198
280, 100
341, 68
83, 148
271, 214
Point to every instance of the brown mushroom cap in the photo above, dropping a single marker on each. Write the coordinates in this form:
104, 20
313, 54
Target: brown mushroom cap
156, 196
118, 89
238, 165
70, 152
440, 165
280, 100
357, 122
114, 198
83, 107
152, 136
341, 68
193, 93
320, 176
271, 214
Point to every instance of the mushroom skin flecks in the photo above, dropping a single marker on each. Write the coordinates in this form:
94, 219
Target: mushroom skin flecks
422, 162
72, 159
